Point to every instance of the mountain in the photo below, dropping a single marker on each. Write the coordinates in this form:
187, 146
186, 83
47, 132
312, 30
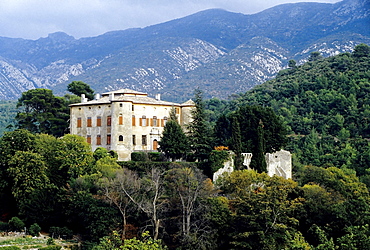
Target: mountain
221, 52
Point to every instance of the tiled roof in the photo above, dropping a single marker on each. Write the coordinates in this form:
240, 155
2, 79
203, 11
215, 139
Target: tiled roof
141, 98
125, 91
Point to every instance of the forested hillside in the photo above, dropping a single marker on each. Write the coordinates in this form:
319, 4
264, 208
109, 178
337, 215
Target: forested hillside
325, 104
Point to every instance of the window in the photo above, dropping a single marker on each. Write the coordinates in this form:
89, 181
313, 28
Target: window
164, 121
143, 140
133, 121
88, 139
108, 139
143, 121
109, 120
132, 108
120, 138
133, 140
89, 122
154, 122
177, 111
120, 120
98, 121
98, 140
79, 122
120, 105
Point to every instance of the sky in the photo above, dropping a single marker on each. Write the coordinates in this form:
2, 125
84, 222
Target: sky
32, 19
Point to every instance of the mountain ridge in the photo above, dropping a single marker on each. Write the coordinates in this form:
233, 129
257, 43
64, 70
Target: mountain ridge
219, 51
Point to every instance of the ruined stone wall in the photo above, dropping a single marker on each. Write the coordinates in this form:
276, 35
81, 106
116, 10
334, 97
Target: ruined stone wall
278, 163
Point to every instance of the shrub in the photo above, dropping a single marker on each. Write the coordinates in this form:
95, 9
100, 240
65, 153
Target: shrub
217, 159
63, 232
16, 224
139, 156
34, 230
10, 248
50, 241
156, 156
4, 227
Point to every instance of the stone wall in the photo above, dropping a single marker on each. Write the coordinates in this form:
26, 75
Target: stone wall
278, 163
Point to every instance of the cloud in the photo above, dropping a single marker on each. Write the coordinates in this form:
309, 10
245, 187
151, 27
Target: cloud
32, 19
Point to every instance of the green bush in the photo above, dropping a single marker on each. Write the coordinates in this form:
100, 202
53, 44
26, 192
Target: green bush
34, 230
139, 156
217, 159
4, 227
63, 232
143, 167
156, 156
50, 241
16, 224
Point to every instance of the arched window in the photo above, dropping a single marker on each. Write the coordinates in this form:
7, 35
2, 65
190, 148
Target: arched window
120, 138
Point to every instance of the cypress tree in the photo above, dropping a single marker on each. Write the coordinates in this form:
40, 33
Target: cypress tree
237, 143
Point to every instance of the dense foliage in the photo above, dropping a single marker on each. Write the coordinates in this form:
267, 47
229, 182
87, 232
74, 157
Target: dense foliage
325, 106
8, 111
59, 185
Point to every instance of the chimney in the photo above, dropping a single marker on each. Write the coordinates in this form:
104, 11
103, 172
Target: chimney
111, 96
97, 96
83, 98
158, 97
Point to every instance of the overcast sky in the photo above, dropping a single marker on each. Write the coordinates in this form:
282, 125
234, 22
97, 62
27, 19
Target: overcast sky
32, 19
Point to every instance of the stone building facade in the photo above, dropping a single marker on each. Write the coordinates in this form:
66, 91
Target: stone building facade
125, 120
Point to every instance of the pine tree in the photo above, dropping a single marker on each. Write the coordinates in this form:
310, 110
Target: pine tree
200, 135
174, 143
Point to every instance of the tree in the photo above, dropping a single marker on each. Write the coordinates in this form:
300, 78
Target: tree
237, 143
147, 194
264, 209
112, 192
35, 229
292, 64
261, 130
199, 133
315, 56
74, 156
28, 172
16, 224
361, 50
42, 112
174, 142
79, 87
187, 186
10, 143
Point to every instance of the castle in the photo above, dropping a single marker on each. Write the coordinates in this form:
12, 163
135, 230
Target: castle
124, 120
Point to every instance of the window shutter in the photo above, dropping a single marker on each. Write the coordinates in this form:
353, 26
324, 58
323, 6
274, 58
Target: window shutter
151, 122
140, 121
